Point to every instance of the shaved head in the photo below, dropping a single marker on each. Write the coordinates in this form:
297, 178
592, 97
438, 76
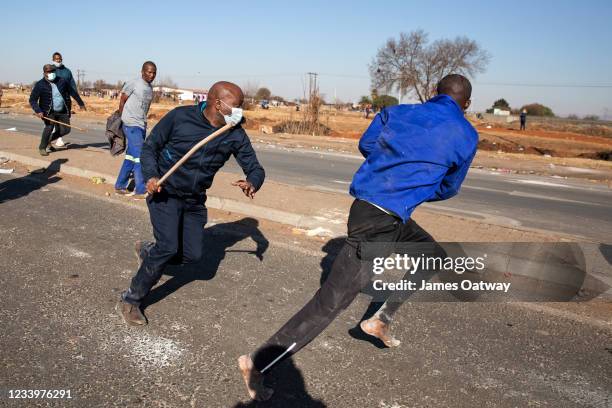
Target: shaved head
227, 92
457, 87
148, 64
222, 98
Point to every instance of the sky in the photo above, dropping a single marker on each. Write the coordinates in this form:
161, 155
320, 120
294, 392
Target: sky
558, 53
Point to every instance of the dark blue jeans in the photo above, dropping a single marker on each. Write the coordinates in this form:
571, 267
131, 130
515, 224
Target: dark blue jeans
178, 228
135, 138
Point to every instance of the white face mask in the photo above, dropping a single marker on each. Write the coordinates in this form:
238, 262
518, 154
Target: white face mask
51, 76
57, 64
235, 117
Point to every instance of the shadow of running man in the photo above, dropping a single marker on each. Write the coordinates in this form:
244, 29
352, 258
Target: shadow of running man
289, 388
217, 239
19, 187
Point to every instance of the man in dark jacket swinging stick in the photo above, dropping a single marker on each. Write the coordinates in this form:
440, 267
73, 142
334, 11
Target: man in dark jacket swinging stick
177, 210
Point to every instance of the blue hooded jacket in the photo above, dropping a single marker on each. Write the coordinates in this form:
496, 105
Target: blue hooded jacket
413, 154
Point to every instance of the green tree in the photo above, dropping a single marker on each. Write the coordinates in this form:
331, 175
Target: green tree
591, 117
365, 100
501, 104
537, 109
384, 101
263, 93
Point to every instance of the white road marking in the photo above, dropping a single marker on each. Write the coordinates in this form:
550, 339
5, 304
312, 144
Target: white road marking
543, 197
542, 183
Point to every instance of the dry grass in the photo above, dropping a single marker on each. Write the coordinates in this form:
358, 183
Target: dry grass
556, 137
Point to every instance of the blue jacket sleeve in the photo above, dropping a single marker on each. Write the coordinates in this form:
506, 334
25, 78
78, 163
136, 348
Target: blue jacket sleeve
370, 136
34, 95
71, 80
154, 144
247, 159
74, 93
451, 183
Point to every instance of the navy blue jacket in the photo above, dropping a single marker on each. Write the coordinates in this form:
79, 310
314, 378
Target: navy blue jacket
413, 154
41, 98
176, 133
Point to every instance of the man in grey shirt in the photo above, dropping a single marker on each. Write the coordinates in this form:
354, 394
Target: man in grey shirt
134, 104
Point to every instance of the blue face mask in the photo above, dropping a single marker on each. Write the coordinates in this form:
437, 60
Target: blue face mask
235, 117
51, 76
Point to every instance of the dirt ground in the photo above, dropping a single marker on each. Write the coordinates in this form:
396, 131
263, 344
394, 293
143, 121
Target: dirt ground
351, 125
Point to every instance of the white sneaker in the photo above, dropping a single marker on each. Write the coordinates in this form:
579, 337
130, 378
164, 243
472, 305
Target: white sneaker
59, 142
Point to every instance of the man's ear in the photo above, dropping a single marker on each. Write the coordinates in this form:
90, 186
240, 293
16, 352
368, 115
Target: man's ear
467, 104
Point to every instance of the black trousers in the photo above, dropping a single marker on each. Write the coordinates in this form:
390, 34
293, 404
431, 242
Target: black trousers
178, 228
348, 276
52, 130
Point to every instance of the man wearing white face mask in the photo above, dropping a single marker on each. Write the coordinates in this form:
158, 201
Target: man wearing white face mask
50, 98
177, 208
62, 71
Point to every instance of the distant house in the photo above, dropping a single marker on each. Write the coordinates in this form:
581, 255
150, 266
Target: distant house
181, 94
501, 112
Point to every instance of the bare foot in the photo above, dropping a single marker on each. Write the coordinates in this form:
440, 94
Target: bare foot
375, 327
253, 379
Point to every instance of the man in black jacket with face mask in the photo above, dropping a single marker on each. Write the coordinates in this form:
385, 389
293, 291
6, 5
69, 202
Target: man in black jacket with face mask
177, 208
50, 98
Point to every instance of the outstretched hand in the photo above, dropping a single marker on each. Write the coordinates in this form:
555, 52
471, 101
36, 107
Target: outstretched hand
247, 188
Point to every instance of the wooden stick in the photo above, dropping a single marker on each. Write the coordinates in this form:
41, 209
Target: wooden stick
65, 124
192, 151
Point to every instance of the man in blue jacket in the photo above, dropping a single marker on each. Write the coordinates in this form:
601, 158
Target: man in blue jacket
50, 98
177, 210
413, 154
62, 71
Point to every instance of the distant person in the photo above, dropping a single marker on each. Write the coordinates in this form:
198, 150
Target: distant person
523, 118
50, 98
136, 97
414, 154
61, 71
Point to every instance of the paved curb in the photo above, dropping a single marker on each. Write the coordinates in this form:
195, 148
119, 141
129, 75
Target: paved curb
218, 203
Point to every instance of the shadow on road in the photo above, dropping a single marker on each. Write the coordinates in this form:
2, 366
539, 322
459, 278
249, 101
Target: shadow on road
16, 188
331, 249
217, 239
289, 388
75, 146
606, 252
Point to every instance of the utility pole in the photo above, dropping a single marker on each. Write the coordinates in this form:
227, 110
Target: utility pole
313, 96
80, 77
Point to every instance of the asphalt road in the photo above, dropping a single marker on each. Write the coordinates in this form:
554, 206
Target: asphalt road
65, 257
552, 204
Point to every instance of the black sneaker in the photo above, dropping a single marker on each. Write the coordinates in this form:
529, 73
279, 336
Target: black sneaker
43, 152
51, 149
